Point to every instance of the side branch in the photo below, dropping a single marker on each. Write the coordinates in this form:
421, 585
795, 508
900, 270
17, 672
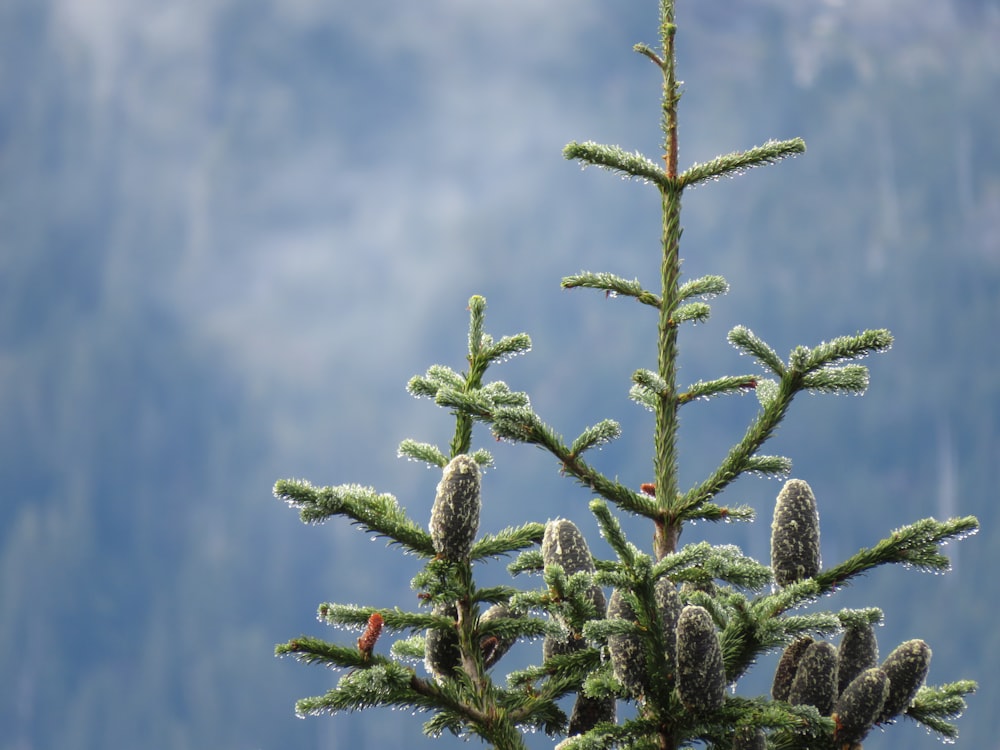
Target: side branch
379, 513
741, 456
915, 546
524, 426
612, 284
740, 161
617, 160
815, 369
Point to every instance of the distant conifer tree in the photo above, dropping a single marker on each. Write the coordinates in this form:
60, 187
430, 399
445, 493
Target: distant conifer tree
682, 623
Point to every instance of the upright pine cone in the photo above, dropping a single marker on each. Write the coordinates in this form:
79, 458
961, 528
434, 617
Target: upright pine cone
787, 666
455, 515
749, 738
701, 677
858, 651
859, 705
589, 712
493, 648
795, 534
628, 654
815, 682
669, 603
441, 652
564, 545
906, 668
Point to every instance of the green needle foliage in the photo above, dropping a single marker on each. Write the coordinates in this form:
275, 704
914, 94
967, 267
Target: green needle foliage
666, 630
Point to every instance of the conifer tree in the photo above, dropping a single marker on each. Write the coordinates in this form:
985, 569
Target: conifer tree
681, 623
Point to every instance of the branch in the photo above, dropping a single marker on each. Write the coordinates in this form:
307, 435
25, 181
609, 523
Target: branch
749, 343
718, 387
507, 540
915, 546
807, 369
933, 706
740, 161
704, 287
741, 457
395, 619
612, 285
522, 425
617, 160
376, 513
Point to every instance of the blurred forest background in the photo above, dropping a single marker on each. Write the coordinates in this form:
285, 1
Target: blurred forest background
231, 231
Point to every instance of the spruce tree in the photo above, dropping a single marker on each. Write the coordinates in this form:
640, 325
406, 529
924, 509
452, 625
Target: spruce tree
682, 623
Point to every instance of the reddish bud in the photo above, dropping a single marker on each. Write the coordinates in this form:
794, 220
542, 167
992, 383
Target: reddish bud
367, 640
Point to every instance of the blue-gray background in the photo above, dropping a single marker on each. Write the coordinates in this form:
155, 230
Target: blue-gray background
230, 231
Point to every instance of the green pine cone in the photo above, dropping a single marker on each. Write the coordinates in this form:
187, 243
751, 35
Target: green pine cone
859, 705
455, 515
858, 651
441, 654
749, 738
493, 648
559, 646
588, 712
815, 682
906, 668
701, 678
795, 534
563, 544
668, 601
787, 664
628, 655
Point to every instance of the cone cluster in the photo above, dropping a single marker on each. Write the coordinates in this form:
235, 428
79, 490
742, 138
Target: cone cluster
848, 684
693, 652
